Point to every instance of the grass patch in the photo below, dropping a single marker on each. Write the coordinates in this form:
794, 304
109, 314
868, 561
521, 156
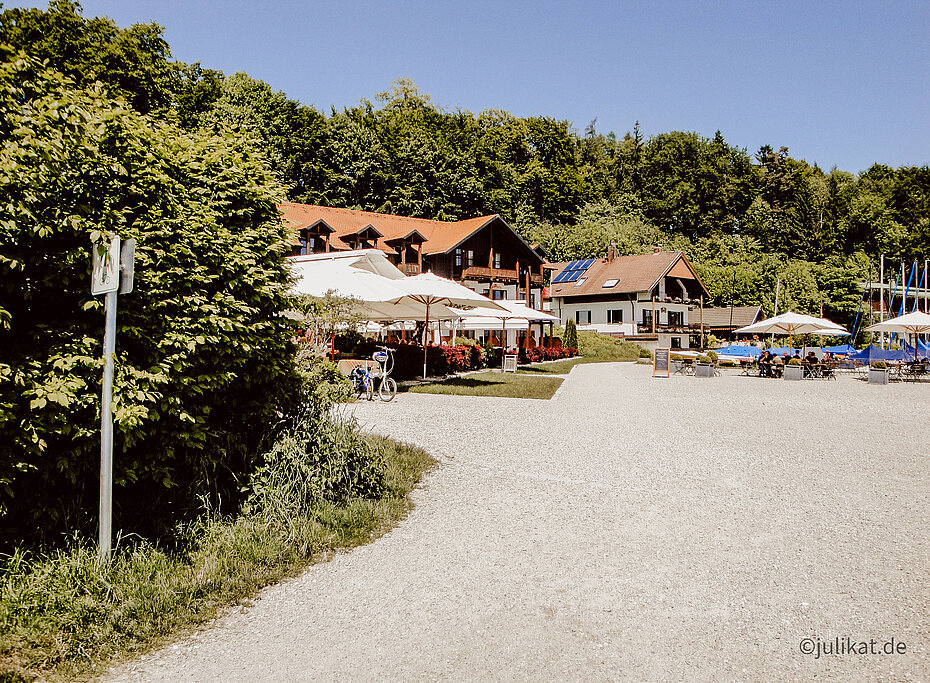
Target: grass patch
556, 367
63, 617
595, 347
494, 383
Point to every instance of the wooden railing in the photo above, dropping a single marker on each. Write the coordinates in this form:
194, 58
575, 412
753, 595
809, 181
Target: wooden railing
409, 268
479, 272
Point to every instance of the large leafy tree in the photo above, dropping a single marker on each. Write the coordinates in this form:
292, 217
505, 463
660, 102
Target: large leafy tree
203, 357
134, 63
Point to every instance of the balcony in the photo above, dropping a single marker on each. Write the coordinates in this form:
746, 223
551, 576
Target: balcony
480, 273
409, 268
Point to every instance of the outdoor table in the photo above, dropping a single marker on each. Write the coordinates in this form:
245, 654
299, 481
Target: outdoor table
913, 371
813, 370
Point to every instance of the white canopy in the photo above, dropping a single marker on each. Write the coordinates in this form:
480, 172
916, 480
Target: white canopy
516, 314
378, 286
793, 323
917, 322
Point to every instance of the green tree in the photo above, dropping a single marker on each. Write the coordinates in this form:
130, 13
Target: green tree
133, 63
204, 359
571, 335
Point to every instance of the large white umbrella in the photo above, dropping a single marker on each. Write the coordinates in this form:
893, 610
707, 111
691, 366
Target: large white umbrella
431, 290
914, 323
375, 296
515, 312
794, 323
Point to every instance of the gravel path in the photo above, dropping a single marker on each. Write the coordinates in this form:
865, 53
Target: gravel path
631, 528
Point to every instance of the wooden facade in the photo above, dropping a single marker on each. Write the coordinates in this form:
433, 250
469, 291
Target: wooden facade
483, 253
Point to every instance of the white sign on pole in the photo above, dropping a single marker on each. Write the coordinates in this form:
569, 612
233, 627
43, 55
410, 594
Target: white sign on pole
105, 275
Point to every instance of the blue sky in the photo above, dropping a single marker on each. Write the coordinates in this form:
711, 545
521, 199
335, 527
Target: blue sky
841, 84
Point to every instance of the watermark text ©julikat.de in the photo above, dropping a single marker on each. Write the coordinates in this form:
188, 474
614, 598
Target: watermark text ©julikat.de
848, 646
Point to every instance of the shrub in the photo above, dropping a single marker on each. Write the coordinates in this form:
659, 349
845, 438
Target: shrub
203, 358
541, 353
880, 365
571, 335
644, 353
794, 361
677, 357
713, 356
440, 360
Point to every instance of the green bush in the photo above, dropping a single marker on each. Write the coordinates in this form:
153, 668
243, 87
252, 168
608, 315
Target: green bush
880, 365
644, 353
794, 361
713, 356
203, 357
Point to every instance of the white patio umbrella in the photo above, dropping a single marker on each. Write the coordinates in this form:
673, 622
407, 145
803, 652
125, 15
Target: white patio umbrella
914, 323
794, 323
376, 297
516, 312
430, 290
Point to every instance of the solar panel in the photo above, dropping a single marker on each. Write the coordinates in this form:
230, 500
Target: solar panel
573, 271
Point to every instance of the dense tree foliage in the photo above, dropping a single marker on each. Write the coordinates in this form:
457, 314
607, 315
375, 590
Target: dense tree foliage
203, 356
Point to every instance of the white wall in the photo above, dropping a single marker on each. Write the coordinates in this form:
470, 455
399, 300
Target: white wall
632, 313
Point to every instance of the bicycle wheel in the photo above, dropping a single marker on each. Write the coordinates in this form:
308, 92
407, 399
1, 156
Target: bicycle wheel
388, 389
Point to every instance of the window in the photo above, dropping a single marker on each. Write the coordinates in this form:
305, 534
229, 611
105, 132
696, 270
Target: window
676, 342
500, 294
458, 257
615, 315
676, 318
583, 317
609, 284
470, 260
647, 316
497, 260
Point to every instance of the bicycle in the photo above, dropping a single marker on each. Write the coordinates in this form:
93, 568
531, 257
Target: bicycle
366, 378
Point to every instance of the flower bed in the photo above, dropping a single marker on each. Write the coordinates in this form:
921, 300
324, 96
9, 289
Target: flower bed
541, 353
440, 360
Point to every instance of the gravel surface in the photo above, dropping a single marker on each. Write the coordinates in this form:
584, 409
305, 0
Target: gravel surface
631, 528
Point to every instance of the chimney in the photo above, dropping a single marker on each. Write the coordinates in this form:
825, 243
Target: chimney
611, 252
657, 249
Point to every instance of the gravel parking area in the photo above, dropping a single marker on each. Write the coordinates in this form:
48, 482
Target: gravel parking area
630, 528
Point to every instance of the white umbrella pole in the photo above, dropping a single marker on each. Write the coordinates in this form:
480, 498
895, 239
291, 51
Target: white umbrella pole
425, 338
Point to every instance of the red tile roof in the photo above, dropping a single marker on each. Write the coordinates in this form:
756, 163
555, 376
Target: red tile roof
639, 273
441, 236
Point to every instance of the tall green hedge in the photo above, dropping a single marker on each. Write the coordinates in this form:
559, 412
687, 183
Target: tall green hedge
204, 359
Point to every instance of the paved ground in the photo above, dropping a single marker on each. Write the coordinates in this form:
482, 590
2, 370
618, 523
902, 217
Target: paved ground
631, 528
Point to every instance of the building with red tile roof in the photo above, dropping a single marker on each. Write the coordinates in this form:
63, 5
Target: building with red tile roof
644, 297
483, 253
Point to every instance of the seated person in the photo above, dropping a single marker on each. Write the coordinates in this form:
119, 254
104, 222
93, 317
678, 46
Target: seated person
778, 365
765, 364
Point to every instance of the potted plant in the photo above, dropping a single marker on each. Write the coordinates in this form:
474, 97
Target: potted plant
878, 372
794, 371
705, 366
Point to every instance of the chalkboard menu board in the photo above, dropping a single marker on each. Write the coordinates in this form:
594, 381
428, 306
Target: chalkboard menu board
660, 362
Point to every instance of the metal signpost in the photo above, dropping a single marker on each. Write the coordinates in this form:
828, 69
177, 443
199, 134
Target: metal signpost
112, 273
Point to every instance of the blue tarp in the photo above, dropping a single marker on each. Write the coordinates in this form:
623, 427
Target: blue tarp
738, 350
845, 349
873, 353
922, 351
781, 351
